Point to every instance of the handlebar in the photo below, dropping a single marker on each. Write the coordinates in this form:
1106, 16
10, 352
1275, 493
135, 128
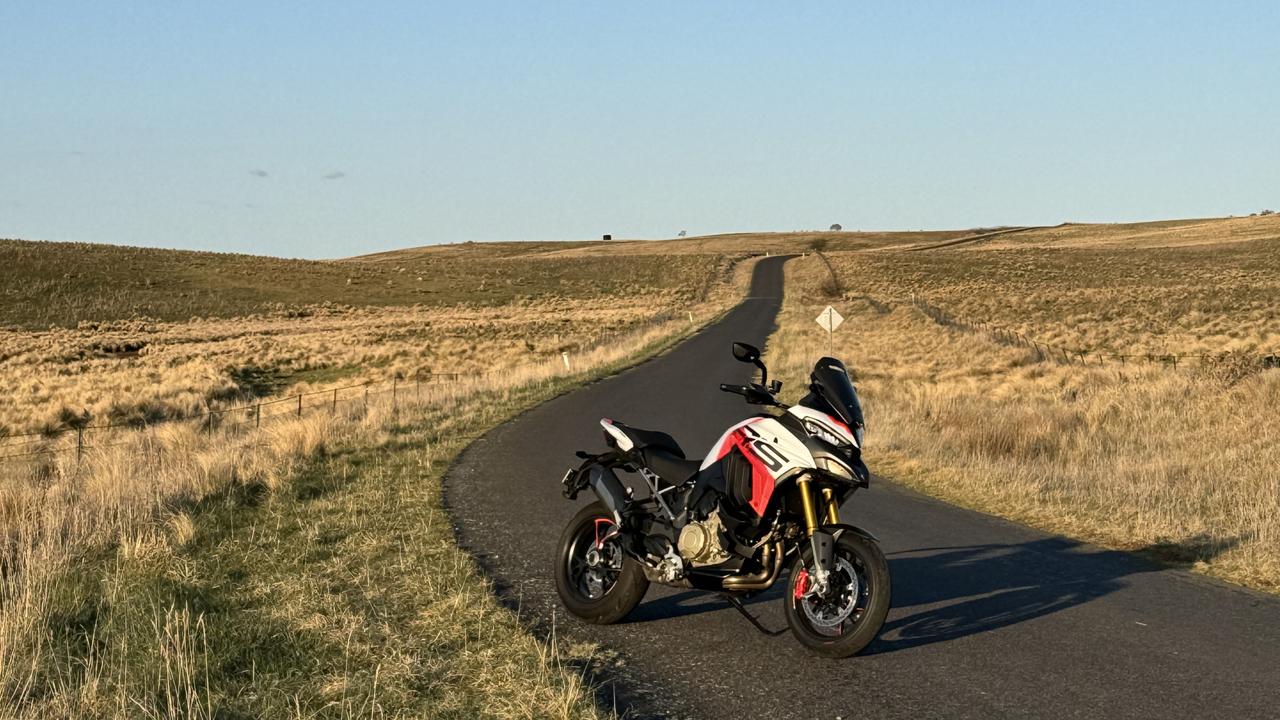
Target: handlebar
754, 394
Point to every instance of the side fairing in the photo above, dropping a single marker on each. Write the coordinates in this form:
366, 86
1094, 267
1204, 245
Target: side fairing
774, 454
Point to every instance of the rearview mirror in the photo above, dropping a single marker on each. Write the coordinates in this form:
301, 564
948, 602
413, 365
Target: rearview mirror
746, 353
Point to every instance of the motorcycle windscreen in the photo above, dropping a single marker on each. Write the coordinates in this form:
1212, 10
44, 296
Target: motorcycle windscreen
831, 380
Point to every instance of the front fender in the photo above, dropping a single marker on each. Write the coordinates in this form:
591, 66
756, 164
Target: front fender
838, 530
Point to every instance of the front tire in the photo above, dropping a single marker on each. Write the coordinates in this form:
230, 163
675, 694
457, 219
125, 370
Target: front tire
603, 586
850, 616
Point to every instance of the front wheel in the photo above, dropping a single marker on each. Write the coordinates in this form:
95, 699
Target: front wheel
845, 619
594, 577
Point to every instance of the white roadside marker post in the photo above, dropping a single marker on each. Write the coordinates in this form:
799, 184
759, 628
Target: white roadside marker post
829, 319
565, 357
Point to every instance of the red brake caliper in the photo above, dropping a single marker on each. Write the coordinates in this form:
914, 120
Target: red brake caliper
802, 583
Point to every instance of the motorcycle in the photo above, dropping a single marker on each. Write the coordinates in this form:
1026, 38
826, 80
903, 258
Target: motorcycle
766, 497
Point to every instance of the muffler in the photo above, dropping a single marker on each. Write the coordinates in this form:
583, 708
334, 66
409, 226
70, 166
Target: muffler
610, 490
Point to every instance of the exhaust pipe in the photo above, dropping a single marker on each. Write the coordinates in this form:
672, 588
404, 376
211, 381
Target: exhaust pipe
610, 490
771, 559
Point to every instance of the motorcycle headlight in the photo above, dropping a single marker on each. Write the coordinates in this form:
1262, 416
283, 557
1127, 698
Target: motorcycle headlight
816, 430
835, 467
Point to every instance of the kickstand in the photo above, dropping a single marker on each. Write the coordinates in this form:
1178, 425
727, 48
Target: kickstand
737, 605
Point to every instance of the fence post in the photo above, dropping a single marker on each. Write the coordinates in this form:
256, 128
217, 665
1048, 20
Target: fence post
366, 395
299, 404
395, 404
257, 415
79, 444
333, 407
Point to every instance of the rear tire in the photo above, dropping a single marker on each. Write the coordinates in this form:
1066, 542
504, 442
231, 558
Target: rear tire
605, 593
843, 625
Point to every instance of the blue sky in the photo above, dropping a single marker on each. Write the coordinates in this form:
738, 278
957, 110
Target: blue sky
330, 129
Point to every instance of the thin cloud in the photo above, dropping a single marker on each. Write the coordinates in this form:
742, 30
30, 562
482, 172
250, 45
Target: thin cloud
260, 173
335, 175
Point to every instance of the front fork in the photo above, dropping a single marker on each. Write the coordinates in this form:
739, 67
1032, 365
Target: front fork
823, 543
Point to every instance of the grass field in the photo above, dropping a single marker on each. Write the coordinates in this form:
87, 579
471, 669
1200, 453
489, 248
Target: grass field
1179, 464
303, 569
66, 284
142, 370
1190, 293
306, 569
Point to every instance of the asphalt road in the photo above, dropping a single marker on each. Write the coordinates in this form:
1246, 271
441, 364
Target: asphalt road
990, 619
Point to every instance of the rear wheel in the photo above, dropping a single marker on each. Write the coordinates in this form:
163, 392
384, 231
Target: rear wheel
845, 619
594, 577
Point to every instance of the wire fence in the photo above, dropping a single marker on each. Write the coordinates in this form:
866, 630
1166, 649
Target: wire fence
251, 415
1056, 353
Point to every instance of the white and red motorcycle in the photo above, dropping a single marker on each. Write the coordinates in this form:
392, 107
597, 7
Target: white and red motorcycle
767, 496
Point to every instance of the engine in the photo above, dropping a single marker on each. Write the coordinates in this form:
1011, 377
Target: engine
702, 541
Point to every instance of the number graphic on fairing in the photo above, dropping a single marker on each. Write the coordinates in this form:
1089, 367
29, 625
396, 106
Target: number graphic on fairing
768, 454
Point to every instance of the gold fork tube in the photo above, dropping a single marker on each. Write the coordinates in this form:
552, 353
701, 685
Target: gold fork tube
806, 501
833, 508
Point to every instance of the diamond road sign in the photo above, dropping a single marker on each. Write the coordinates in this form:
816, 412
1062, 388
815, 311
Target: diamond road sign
829, 319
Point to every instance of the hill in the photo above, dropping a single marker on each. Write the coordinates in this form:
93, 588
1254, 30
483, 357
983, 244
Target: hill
48, 284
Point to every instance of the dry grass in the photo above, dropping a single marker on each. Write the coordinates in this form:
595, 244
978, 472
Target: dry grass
304, 569
65, 284
1179, 464
1197, 298
143, 371
1149, 235
777, 243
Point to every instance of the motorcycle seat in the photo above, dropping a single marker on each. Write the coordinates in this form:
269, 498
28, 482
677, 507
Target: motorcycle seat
644, 439
672, 469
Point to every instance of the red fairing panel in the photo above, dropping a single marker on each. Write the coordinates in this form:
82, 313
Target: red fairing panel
770, 449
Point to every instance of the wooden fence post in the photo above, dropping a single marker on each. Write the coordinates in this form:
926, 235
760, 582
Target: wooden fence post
333, 406
299, 404
257, 415
395, 404
79, 444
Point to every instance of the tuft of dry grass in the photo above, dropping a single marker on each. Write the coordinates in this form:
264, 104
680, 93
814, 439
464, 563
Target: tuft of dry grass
1177, 464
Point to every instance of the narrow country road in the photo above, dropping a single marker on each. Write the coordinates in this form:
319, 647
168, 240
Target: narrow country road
990, 619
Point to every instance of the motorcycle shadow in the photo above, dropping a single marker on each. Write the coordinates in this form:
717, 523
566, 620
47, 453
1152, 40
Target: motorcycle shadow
684, 603
954, 592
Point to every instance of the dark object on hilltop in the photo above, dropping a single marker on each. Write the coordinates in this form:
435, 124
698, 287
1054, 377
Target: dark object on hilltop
836, 227
680, 234
608, 237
